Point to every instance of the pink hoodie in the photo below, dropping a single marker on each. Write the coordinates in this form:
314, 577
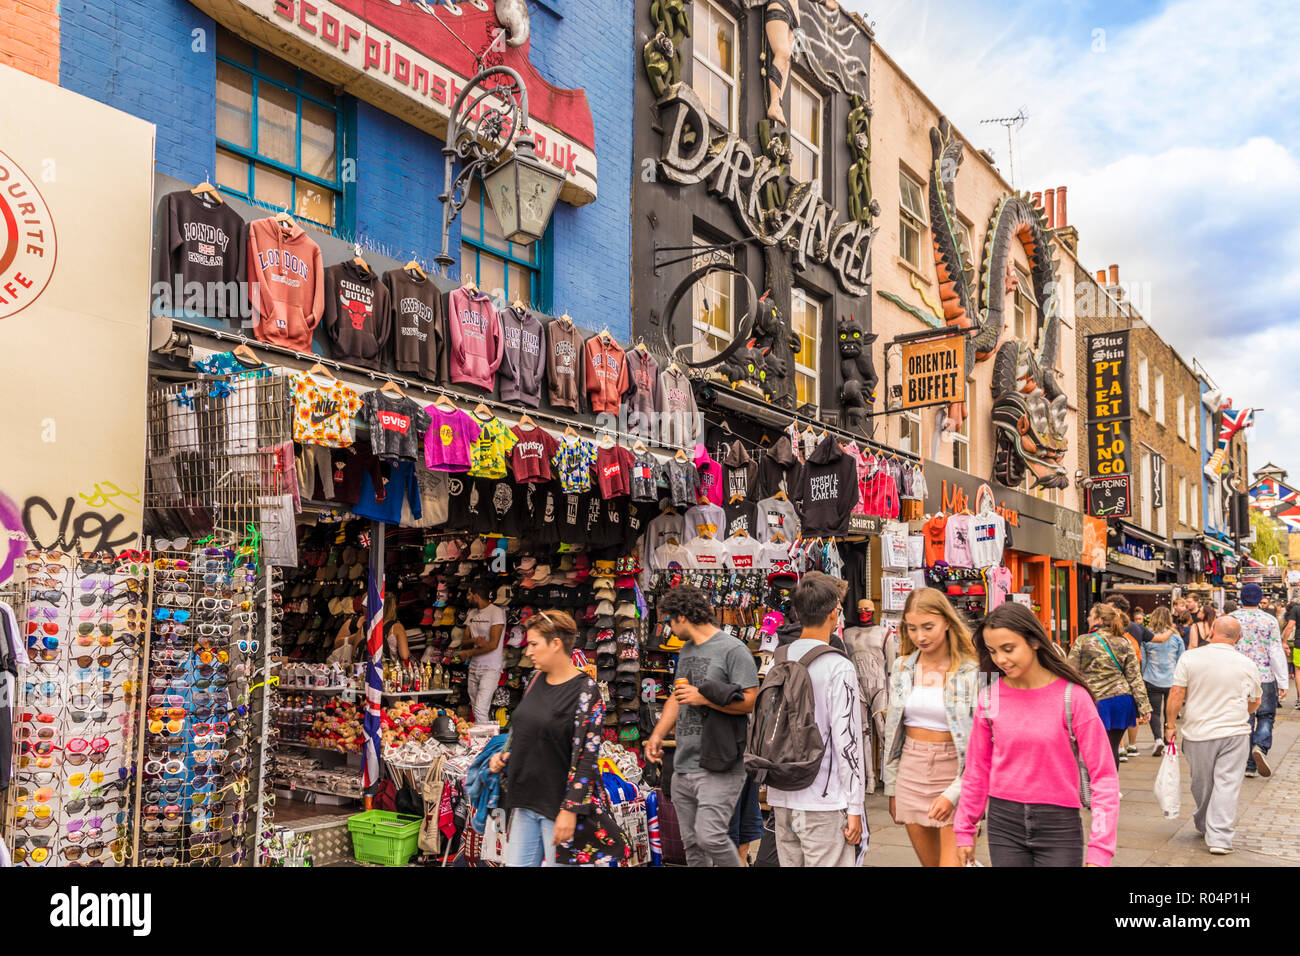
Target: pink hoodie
286, 284
710, 476
477, 345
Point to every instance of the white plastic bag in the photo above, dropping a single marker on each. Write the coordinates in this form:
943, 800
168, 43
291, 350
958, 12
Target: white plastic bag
1168, 789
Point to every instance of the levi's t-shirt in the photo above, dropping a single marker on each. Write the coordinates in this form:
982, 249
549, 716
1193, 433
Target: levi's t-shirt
743, 552
397, 425
614, 471
530, 459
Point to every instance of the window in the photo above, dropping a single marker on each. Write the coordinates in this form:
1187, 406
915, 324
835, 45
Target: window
1143, 490
1192, 425
1023, 308
277, 134
1144, 401
961, 439
713, 303
806, 320
805, 133
912, 220
1162, 513
512, 270
714, 68
1178, 421
968, 253
909, 432
1160, 397
1182, 501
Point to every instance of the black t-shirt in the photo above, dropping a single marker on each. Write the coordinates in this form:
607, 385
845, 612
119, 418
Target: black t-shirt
1138, 632
541, 745
461, 499
1292, 614
742, 516
573, 518
499, 507
543, 515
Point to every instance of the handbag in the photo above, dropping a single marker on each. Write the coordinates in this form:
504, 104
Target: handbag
430, 839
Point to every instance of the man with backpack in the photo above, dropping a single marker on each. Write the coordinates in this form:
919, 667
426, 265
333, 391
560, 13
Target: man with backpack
805, 742
715, 688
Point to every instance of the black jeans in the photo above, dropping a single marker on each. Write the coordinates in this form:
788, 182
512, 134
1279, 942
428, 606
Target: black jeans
1158, 696
1116, 738
1034, 834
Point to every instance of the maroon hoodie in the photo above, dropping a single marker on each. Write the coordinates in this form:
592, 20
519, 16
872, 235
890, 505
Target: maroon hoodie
477, 345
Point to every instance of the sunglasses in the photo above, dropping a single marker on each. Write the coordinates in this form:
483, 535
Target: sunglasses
49, 613
93, 851
94, 802
210, 756
44, 567
105, 660
170, 767
53, 555
174, 600
168, 564
38, 628
40, 812
246, 646
172, 544
166, 613
51, 596
222, 630
77, 779
40, 795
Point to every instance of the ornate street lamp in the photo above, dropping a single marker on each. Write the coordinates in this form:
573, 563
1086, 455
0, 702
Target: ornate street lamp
490, 115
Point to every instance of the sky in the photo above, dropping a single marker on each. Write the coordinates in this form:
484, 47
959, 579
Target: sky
1176, 128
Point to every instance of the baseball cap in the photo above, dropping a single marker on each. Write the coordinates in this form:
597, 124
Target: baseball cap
1251, 594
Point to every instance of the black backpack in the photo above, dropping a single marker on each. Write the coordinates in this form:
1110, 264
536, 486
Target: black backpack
785, 748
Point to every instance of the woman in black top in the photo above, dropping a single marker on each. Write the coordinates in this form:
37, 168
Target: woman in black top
555, 732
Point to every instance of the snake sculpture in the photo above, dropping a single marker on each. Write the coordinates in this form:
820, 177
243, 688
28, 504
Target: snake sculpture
1029, 406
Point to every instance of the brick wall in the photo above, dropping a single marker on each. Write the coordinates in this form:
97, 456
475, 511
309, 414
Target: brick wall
29, 38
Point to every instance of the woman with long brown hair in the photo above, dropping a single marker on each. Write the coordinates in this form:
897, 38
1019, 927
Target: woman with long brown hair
931, 704
1202, 626
1036, 731
1108, 663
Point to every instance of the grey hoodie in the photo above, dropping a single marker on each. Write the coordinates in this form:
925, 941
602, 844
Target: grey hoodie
643, 400
523, 365
678, 413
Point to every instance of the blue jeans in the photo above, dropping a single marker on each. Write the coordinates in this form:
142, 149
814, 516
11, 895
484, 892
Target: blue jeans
1261, 723
529, 843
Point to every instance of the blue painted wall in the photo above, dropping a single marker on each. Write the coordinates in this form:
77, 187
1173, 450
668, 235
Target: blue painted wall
143, 57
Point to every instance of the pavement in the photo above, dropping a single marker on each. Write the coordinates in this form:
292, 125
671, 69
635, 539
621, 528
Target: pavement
1268, 823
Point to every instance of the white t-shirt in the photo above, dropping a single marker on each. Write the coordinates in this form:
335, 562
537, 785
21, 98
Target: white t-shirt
772, 551
988, 535
480, 624
1219, 681
708, 554
705, 519
743, 552
672, 557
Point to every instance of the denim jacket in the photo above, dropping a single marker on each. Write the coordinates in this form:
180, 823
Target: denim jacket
959, 693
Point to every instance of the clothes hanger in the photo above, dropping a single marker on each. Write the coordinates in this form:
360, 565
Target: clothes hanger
779, 538
482, 412
607, 441
206, 188
781, 495
392, 388
285, 220
321, 370
357, 259
443, 402
244, 354
639, 447
566, 320
414, 266
469, 284
681, 455
526, 421
739, 533
570, 433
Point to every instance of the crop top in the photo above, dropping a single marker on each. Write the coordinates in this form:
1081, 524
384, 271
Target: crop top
924, 709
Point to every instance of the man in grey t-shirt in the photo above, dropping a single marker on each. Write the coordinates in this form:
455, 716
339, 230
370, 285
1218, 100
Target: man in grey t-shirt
704, 799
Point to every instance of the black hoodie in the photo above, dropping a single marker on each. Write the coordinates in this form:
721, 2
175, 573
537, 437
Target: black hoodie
827, 490
357, 315
779, 469
739, 474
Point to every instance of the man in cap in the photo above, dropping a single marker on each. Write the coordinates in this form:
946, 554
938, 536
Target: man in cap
1261, 641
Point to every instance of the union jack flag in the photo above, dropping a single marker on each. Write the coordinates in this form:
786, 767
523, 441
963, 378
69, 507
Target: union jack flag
374, 678
1234, 420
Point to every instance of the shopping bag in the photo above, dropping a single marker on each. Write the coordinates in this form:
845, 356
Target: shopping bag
1168, 788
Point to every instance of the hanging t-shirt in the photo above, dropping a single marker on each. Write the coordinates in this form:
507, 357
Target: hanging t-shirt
206, 242
772, 551
499, 509
450, 437
743, 552
936, 539
530, 459
572, 518
957, 542
999, 587
542, 512
460, 493
594, 529
777, 516
708, 553
742, 516
491, 449
323, 410
671, 557
705, 519
433, 487
383, 502
418, 322
987, 536
614, 471
573, 461
397, 425
645, 477
915, 550
683, 482
659, 531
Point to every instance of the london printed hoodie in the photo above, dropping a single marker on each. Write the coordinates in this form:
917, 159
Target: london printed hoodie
477, 346
827, 490
357, 315
524, 363
286, 283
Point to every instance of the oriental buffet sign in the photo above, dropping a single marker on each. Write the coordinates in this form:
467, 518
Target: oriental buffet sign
807, 224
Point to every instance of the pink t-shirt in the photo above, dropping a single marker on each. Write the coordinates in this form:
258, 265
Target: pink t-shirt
1000, 590
449, 439
1025, 756
957, 544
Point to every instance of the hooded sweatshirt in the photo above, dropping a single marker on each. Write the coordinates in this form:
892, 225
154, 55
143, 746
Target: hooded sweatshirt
643, 402
605, 366
357, 315
739, 474
677, 409
710, 476
477, 346
524, 361
779, 469
827, 489
564, 365
206, 242
286, 284
419, 325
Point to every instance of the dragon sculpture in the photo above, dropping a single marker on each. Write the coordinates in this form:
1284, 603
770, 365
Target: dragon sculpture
1029, 406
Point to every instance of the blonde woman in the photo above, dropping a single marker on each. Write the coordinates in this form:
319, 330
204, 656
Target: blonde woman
932, 693
1110, 666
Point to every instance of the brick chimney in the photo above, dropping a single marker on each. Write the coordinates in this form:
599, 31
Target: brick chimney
1114, 274
1061, 221
1049, 204
1101, 278
1037, 200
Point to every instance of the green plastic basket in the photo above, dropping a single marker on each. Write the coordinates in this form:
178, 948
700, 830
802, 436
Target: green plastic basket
379, 836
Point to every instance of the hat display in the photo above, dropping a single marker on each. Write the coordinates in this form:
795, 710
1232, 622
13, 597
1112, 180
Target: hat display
504, 594
605, 608
629, 652
477, 550
605, 674
527, 564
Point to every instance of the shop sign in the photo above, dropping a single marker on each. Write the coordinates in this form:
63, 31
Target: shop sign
1157, 481
865, 524
1094, 543
413, 60
1110, 497
73, 390
1115, 556
1109, 411
1137, 549
1108, 448
806, 224
934, 371
1034, 520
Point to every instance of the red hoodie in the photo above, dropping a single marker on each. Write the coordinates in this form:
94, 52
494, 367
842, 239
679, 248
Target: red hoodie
606, 372
477, 345
287, 284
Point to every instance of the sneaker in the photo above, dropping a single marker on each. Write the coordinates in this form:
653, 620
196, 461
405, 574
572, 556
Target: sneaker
1159, 749
1131, 750
1123, 756
1297, 705
1251, 773
1220, 850
1261, 762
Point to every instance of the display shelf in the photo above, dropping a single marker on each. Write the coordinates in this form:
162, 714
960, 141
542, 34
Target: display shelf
306, 689
421, 693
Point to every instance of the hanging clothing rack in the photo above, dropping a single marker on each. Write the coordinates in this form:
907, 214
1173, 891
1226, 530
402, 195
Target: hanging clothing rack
843, 436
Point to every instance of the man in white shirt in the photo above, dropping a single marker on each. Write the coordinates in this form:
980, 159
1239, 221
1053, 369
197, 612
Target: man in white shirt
1222, 690
821, 824
485, 624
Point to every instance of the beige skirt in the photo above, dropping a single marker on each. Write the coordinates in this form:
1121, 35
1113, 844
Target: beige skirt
925, 771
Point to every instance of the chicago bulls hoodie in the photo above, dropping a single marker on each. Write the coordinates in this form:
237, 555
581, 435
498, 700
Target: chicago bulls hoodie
827, 490
357, 315
477, 345
286, 284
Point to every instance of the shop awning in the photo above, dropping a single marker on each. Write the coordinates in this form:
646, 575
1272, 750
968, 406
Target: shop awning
1133, 531
1218, 547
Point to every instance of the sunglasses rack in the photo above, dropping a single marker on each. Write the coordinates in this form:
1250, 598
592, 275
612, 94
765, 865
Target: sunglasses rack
84, 620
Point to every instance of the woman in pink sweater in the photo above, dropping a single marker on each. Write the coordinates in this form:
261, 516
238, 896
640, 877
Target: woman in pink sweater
1028, 754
